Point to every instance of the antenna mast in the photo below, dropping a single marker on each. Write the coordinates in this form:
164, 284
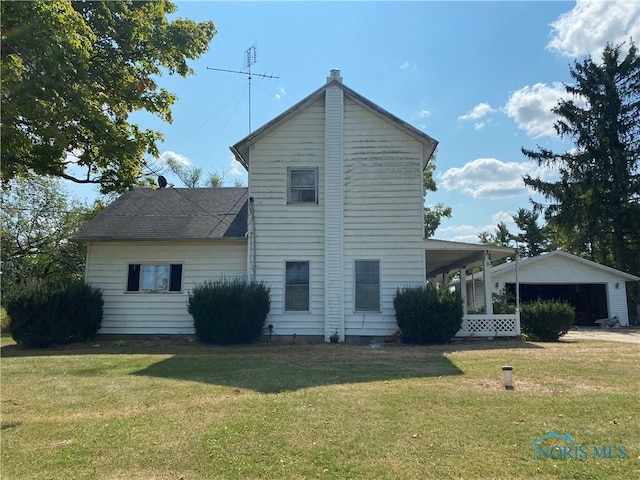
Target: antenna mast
251, 57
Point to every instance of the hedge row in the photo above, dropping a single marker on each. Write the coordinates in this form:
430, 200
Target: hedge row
44, 312
229, 311
428, 314
546, 320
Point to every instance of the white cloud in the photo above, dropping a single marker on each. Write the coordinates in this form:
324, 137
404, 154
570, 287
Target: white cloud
168, 154
591, 24
281, 93
478, 112
405, 65
489, 177
424, 113
469, 233
530, 108
460, 233
465, 233
236, 169
504, 217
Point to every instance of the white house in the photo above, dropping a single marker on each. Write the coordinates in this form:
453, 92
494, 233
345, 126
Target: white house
596, 291
332, 221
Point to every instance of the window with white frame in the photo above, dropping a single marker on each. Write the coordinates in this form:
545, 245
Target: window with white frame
296, 295
154, 277
367, 288
302, 185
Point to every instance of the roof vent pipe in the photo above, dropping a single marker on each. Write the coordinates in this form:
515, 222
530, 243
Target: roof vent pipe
334, 74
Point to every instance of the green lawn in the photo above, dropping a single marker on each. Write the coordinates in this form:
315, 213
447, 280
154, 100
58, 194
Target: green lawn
167, 409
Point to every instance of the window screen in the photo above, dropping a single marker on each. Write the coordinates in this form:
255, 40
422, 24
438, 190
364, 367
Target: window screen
296, 297
367, 285
303, 185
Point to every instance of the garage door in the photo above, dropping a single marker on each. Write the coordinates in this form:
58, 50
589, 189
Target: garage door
588, 299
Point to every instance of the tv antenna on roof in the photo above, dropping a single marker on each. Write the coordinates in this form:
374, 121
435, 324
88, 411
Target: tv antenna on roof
251, 57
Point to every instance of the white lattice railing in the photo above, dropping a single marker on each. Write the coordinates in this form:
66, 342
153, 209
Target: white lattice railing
481, 325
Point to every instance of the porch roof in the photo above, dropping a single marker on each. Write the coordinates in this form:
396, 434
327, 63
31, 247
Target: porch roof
443, 256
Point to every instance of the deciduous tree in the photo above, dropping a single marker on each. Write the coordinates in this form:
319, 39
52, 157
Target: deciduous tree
38, 219
434, 214
73, 71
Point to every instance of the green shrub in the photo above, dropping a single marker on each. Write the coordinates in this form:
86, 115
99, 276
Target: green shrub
546, 320
505, 302
428, 314
4, 321
45, 312
229, 311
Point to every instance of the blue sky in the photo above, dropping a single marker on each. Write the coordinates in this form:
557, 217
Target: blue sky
480, 77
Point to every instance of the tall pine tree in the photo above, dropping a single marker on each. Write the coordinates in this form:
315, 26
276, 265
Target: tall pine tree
533, 239
594, 207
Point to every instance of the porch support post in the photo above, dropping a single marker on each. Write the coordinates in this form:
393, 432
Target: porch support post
473, 291
518, 328
486, 276
463, 289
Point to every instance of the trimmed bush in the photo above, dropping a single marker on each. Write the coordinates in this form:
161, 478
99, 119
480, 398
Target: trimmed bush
546, 320
229, 311
4, 321
45, 312
428, 314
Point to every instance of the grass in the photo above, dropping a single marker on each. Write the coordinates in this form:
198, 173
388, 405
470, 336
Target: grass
174, 409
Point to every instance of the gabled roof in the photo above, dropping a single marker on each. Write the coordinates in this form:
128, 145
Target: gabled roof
549, 257
241, 149
171, 214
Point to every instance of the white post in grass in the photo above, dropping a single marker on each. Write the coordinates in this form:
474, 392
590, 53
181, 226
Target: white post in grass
507, 377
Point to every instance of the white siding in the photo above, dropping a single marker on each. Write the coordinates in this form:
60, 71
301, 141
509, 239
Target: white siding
157, 313
334, 232
372, 210
382, 213
559, 269
290, 232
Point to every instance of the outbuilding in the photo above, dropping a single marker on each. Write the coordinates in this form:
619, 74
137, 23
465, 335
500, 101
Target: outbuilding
597, 292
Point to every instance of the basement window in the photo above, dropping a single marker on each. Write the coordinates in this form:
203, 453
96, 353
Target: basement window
155, 278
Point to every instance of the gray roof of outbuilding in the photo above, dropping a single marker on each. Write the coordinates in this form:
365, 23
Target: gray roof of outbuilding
171, 214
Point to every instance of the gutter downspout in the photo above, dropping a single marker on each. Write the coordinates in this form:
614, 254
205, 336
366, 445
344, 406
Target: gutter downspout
87, 262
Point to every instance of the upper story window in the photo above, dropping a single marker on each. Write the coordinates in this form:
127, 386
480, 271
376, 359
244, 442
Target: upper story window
302, 185
154, 278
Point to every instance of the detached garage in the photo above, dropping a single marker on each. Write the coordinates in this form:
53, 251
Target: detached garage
595, 291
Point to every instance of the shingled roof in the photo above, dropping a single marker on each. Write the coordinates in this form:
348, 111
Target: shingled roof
171, 214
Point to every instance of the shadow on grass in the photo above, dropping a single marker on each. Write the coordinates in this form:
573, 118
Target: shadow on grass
279, 368
275, 367
9, 425
295, 367
127, 345
185, 344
